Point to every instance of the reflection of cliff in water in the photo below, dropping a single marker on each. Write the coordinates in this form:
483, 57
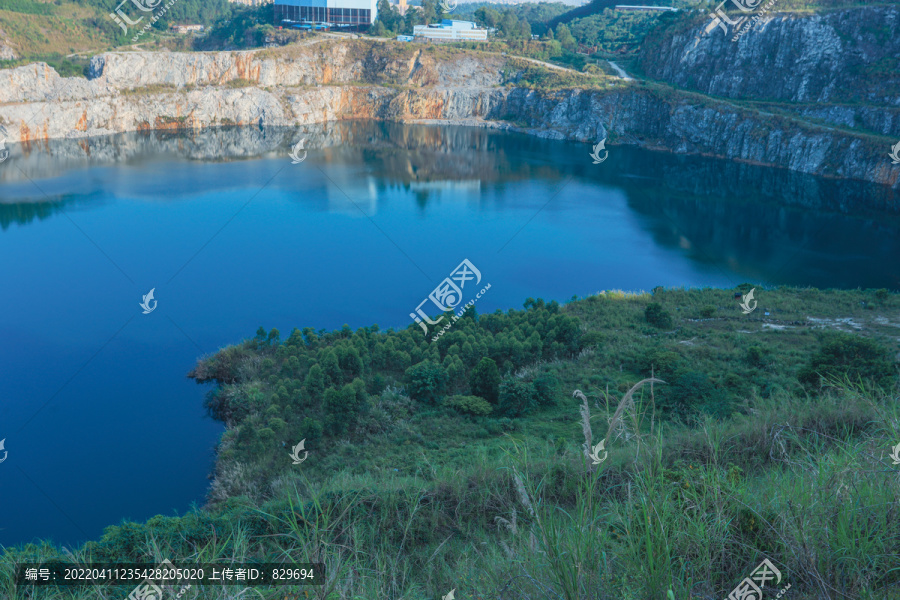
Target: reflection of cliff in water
699, 177
776, 243
753, 219
400, 154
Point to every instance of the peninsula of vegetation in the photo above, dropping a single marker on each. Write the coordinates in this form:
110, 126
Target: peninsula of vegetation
471, 463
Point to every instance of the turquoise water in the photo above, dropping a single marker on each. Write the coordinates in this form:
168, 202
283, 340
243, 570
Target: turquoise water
99, 418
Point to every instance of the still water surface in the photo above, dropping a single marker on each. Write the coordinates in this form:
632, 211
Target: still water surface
101, 423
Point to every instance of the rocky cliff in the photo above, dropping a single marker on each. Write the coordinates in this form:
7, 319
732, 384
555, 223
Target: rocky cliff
337, 80
840, 67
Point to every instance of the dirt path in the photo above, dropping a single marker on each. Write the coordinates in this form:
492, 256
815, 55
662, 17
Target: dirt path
620, 71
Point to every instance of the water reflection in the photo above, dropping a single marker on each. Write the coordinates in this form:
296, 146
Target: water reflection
782, 226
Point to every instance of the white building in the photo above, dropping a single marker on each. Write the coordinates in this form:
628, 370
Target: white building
186, 28
332, 12
450, 30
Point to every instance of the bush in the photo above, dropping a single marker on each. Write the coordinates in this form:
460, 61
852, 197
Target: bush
472, 405
485, 380
592, 338
312, 429
657, 316
756, 356
707, 311
658, 360
845, 355
692, 392
343, 407
545, 386
426, 382
516, 398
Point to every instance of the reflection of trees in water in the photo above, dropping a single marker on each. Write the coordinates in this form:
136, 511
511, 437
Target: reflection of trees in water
22, 213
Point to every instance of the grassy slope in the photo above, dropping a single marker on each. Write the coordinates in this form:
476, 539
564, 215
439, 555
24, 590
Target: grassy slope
508, 509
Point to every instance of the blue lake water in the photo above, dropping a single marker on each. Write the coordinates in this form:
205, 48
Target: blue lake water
101, 423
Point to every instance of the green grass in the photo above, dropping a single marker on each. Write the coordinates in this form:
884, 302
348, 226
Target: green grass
694, 493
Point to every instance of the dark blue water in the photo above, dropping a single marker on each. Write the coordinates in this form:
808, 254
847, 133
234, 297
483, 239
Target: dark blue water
101, 423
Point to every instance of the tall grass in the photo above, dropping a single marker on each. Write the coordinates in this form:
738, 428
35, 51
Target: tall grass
682, 512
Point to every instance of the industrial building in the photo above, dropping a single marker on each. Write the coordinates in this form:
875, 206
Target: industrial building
338, 13
450, 30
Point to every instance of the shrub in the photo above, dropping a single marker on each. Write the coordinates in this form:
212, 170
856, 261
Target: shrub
312, 429
426, 382
657, 316
485, 380
845, 355
692, 392
592, 338
545, 386
516, 398
881, 295
658, 360
707, 311
756, 356
472, 405
343, 407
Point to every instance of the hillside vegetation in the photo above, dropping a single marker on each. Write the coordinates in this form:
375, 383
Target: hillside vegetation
463, 463
51, 30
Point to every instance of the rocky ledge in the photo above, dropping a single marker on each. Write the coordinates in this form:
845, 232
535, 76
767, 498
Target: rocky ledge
334, 80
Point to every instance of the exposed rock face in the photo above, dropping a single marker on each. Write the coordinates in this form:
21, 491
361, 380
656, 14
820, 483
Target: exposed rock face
330, 81
842, 67
7, 52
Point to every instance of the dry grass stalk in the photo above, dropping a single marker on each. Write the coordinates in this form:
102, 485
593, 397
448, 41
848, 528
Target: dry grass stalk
626, 403
523, 494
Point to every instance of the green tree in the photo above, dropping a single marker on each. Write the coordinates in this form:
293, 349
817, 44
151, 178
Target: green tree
657, 316
426, 382
545, 386
343, 407
564, 37
331, 367
429, 11
516, 398
487, 17
484, 381
314, 383
378, 29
